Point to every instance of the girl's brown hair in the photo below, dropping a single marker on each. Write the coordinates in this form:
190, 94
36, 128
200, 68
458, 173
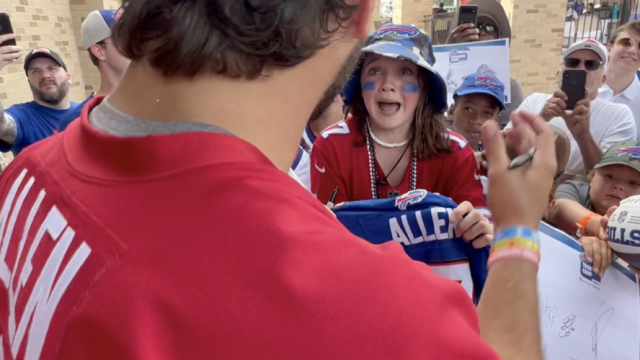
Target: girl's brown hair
430, 134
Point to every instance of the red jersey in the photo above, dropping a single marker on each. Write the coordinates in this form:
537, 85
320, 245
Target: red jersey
192, 246
340, 159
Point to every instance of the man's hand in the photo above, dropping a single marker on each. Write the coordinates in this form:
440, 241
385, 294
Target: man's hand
555, 107
463, 34
519, 197
8, 54
578, 121
471, 225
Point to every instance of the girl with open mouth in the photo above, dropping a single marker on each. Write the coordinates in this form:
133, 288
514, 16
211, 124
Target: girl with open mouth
395, 139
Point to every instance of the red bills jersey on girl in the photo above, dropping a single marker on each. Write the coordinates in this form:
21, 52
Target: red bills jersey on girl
340, 159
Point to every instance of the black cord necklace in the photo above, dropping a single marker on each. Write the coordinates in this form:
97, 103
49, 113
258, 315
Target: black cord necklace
373, 169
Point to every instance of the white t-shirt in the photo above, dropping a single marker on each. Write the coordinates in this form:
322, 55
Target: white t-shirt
302, 169
630, 97
610, 123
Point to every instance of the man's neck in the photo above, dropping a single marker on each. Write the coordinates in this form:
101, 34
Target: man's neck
108, 81
62, 105
249, 109
619, 81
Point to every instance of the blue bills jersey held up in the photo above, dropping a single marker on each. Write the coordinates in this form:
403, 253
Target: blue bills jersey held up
419, 220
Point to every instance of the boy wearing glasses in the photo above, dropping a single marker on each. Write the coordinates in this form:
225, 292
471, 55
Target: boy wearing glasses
594, 124
623, 86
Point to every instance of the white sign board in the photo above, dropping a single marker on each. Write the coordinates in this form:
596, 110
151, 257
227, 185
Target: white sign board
455, 62
584, 317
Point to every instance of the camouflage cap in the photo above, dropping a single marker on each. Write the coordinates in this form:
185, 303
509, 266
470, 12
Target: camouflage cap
622, 153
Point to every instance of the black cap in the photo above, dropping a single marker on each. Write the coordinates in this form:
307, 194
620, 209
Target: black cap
43, 53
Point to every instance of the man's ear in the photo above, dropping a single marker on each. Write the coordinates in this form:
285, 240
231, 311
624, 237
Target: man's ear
98, 52
451, 111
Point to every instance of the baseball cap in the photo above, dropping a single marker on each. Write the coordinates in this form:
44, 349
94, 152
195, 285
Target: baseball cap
622, 153
592, 45
97, 26
43, 53
404, 42
480, 83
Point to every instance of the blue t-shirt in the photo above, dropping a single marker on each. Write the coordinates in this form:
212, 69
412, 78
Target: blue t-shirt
419, 220
72, 114
34, 123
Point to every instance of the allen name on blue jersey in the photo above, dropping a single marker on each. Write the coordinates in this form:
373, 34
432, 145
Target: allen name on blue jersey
419, 220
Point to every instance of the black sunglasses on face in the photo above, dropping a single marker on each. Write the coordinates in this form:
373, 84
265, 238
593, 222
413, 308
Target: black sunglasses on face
589, 65
489, 28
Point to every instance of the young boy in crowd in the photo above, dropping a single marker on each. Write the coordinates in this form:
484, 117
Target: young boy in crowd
479, 98
578, 206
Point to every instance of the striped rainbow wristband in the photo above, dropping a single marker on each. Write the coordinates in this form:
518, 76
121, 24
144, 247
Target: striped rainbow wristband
515, 242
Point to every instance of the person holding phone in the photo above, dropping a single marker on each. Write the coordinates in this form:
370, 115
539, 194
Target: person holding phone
593, 125
491, 23
22, 125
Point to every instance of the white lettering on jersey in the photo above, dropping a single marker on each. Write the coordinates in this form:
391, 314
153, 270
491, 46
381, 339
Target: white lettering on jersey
460, 140
459, 272
339, 128
404, 235
48, 282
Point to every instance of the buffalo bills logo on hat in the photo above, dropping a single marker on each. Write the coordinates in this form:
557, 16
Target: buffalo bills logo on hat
41, 50
487, 81
410, 198
633, 151
591, 42
397, 30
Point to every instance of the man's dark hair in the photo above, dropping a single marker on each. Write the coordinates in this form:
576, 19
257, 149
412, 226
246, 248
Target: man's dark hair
630, 27
94, 60
235, 38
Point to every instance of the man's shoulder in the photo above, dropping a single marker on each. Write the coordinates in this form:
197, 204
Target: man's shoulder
608, 106
539, 97
18, 109
619, 115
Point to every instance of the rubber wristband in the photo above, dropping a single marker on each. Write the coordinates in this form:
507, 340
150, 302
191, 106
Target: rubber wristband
515, 242
514, 254
515, 232
582, 225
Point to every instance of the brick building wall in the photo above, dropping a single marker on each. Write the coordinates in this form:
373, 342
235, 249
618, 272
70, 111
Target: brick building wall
537, 28
54, 24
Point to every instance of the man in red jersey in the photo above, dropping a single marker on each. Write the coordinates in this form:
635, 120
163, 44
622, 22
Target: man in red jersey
162, 224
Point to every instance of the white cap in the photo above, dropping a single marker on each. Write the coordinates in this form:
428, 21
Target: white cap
592, 45
97, 26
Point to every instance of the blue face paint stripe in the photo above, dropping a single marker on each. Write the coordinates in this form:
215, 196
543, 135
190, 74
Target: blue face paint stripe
369, 86
409, 88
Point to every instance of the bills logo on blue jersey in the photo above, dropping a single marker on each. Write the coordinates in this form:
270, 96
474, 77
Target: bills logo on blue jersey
411, 198
419, 221
632, 151
397, 30
117, 15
